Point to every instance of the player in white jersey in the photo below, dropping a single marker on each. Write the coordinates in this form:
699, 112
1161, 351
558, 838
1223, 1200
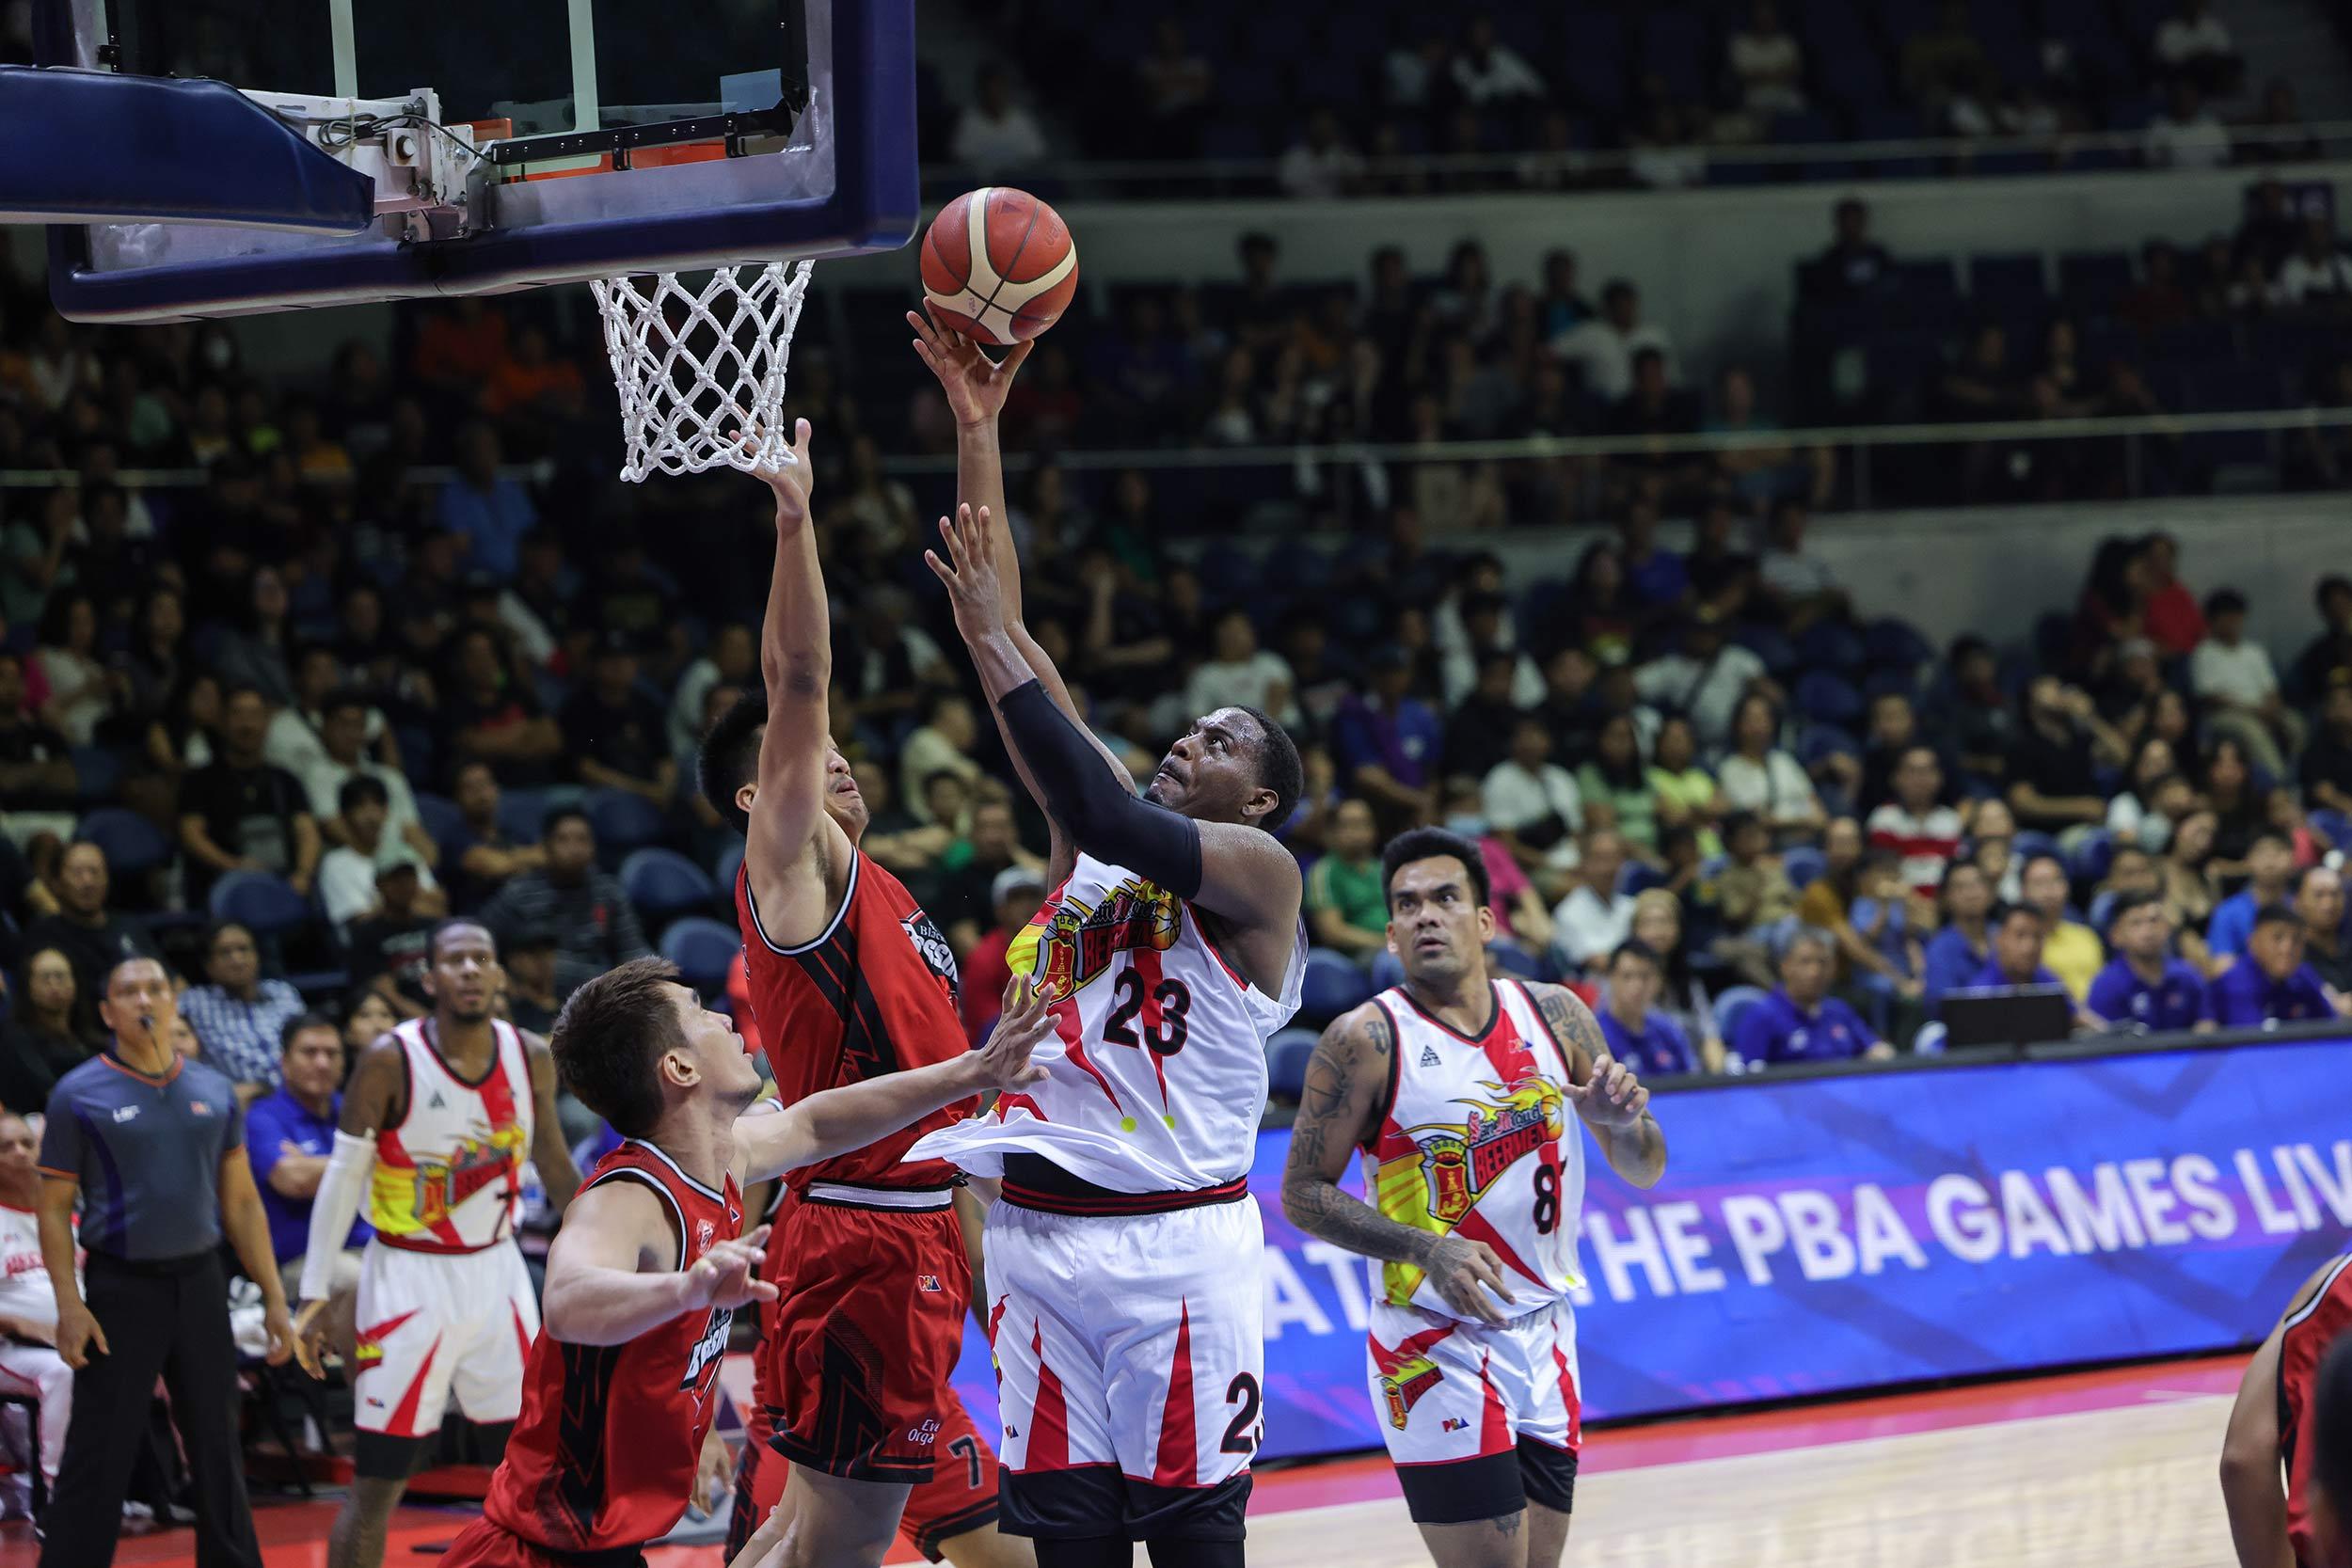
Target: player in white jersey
438, 1120
1457, 1088
29, 1362
1123, 1258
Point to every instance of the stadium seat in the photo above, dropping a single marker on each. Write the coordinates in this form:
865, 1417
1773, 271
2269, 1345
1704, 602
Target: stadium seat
1804, 865
1828, 698
2103, 911
1286, 1057
2030, 842
1778, 653
1333, 984
662, 882
1893, 641
2334, 826
1387, 970
1638, 878
521, 811
443, 822
2088, 861
1828, 646
1817, 741
97, 774
621, 822
703, 949
1731, 1005
132, 846
1503, 958
2095, 280
266, 905
730, 861
2006, 280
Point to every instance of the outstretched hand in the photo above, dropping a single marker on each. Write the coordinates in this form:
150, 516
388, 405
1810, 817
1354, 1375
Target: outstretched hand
1613, 1096
1003, 1061
722, 1275
975, 383
974, 588
791, 478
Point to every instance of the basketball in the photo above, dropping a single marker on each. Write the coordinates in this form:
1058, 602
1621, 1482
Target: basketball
998, 264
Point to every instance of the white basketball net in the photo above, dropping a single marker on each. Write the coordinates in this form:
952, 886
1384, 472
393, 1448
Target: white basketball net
700, 368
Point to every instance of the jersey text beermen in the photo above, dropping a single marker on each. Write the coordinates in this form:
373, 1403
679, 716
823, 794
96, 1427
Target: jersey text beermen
1159, 1079
448, 1174
1479, 1141
603, 1456
875, 993
2303, 1341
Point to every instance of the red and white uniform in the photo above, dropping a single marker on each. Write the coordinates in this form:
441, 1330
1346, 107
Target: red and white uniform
445, 1307
1127, 1320
2303, 1342
33, 1370
1477, 1141
603, 1457
865, 1250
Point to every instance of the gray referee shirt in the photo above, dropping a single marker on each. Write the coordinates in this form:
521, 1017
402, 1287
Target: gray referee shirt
146, 1152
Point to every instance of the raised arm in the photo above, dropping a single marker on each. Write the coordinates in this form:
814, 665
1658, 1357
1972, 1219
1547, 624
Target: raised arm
613, 1272
1607, 1096
1347, 1079
768, 1143
1239, 873
796, 664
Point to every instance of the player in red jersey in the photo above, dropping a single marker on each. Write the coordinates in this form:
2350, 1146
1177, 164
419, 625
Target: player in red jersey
646, 1275
2270, 1433
849, 980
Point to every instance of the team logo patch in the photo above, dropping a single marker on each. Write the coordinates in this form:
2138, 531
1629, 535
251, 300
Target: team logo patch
702, 1233
1454, 1163
198, 1107
441, 1186
1453, 1423
1404, 1384
126, 1113
931, 948
1069, 945
928, 1282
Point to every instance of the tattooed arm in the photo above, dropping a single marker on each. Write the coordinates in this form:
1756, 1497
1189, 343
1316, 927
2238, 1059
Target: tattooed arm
1604, 1091
1344, 1098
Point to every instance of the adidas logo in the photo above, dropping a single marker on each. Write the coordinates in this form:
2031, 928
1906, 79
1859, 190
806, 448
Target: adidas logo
436, 1102
1429, 1056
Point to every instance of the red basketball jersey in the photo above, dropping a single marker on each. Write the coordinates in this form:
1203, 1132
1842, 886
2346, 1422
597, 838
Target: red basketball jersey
875, 993
603, 1454
2303, 1341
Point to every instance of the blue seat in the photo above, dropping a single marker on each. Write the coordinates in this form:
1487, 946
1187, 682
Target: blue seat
1804, 865
2103, 911
1828, 698
2030, 842
266, 905
1778, 653
1508, 959
2095, 278
2007, 279
1731, 1004
623, 821
703, 949
521, 811
662, 882
1286, 1058
443, 822
97, 774
1817, 741
730, 861
1636, 877
1387, 970
2334, 826
1828, 646
132, 846
1893, 641
2091, 856
1332, 985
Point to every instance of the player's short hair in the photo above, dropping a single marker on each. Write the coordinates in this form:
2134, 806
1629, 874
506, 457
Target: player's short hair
1429, 844
1279, 768
302, 1023
729, 758
608, 1036
455, 923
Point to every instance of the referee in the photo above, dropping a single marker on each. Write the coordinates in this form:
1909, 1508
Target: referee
153, 1146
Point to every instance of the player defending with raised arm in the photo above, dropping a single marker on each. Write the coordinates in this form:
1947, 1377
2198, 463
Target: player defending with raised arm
440, 1117
849, 980
643, 1281
2269, 1439
1125, 1258
1456, 1086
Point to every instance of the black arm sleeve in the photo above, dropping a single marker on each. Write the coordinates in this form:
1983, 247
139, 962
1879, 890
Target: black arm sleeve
1084, 797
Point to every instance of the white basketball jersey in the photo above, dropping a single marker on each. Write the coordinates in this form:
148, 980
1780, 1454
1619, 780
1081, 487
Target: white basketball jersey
1159, 1078
25, 1290
449, 1176
1479, 1141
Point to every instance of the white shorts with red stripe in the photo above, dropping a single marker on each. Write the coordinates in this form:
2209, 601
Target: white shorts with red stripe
1135, 1341
1445, 1390
437, 1326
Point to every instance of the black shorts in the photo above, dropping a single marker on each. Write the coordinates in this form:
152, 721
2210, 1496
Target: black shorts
1492, 1486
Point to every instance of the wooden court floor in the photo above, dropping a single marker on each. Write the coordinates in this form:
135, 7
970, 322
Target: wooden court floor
2094, 1468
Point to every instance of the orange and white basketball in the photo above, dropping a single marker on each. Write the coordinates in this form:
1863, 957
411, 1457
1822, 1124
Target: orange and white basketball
998, 264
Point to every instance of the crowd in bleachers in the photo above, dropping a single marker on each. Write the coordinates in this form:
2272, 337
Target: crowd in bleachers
1547, 98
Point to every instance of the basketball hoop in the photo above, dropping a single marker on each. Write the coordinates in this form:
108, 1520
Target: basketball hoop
702, 367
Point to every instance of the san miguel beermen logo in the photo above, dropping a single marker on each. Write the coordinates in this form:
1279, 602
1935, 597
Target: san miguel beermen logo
442, 1187
1069, 945
1404, 1384
932, 948
1460, 1163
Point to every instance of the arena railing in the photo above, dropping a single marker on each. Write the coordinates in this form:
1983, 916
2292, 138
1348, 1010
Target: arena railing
2143, 443
1713, 164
